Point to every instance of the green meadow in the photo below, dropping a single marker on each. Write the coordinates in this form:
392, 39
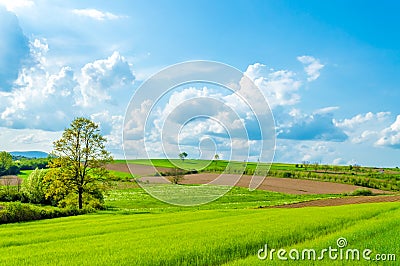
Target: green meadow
196, 237
137, 229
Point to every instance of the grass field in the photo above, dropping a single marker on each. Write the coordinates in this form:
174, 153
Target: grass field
201, 237
137, 200
136, 229
25, 173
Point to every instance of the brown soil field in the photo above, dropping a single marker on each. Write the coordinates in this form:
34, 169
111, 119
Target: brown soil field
10, 180
341, 201
284, 185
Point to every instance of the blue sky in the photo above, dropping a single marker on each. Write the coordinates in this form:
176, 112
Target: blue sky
330, 69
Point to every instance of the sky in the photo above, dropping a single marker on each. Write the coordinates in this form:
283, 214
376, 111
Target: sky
329, 70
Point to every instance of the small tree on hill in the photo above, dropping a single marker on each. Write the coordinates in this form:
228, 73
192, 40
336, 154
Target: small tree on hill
177, 176
80, 160
183, 156
306, 164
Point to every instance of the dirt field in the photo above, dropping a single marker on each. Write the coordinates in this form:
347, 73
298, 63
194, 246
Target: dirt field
137, 169
341, 201
10, 180
284, 185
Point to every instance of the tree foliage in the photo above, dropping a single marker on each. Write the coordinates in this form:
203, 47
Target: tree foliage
183, 156
5, 162
32, 187
79, 164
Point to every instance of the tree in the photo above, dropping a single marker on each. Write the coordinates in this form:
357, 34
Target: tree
306, 164
216, 157
176, 177
80, 156
183, 155
5, 162
32, 187
316, 166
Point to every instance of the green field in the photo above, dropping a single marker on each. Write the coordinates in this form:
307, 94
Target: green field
135, 199
25, 173
136, 229
198, 237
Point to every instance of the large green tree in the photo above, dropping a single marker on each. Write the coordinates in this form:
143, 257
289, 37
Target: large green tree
5, 162
81, 157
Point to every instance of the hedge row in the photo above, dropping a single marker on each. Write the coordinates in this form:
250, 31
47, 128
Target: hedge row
12, 212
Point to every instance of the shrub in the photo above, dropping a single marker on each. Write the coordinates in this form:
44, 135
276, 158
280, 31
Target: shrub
10, 193
361, 192
18, 212
287, 174
32, 187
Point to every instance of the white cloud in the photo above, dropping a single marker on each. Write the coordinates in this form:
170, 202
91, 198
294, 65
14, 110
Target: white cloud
135, 121
364, 128
356, 121
312, 66
101, 77
326, 110
280, 88
96, 14
390, 136
35, 92
111, 128
12, 5
27, 139
48, 97
338, 161
313, 151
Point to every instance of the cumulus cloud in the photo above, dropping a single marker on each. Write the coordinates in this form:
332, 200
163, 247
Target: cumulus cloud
279, 87
312, 151
12, 5
364, 128
318, 126
46, 97
102, 76
96, 14
27, 139
312, 66
14, 49
356, 121
390, 136
188, 119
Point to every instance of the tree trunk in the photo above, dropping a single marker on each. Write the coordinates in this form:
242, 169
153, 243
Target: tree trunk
80, 192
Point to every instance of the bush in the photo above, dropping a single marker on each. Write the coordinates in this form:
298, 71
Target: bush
32, 187
287, 175
10, 193
361, 192
18, 212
